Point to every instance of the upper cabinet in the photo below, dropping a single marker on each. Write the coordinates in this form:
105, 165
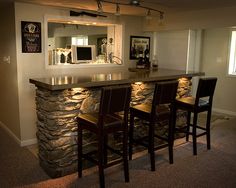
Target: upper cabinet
82, 42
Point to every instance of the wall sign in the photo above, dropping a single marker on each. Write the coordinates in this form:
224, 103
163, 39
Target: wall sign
31, 37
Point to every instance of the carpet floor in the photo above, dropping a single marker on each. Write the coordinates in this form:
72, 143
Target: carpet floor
216, 168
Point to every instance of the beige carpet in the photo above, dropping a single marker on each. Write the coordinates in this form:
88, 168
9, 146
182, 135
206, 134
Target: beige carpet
210, 168
215, 118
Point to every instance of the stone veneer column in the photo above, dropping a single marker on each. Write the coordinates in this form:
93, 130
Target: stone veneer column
57, 126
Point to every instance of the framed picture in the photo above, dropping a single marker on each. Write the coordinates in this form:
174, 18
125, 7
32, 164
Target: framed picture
31, 37
138, 45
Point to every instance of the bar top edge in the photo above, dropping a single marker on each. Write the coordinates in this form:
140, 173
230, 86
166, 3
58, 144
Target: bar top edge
110, 78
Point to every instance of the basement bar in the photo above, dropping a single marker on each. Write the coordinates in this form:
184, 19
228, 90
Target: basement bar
60, 99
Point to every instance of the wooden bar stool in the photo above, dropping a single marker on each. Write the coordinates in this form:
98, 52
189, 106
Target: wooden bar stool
164, 94
202, 102
114, 100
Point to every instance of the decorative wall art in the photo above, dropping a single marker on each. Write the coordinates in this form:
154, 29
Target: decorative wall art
138, 46
31, 37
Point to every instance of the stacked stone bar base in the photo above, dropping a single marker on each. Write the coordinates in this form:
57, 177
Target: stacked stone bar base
57, 127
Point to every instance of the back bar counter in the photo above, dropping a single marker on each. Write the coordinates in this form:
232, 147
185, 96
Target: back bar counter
60, 99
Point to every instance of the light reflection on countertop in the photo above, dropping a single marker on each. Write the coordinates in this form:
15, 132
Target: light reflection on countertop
111, 78
106, 77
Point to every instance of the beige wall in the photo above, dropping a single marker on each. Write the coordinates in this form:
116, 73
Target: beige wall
33, 66
172, 49
215, 63
213, 57
9, 111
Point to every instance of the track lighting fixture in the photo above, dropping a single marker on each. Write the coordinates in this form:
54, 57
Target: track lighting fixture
148, 16
99, 4
135, 3
162, 16
161, 19
117, 10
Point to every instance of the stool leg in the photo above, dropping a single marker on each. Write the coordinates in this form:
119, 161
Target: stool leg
131, 132
188, 125
125, 154
101, 160
195, 133
208, 129
105, 148
171, 137
174, 122
151, 145
80, 145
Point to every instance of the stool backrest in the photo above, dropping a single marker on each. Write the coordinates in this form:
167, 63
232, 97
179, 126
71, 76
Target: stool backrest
115, 99
206, 88
164, 93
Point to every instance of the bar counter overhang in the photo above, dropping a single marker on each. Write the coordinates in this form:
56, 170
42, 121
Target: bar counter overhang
60, 99
111, 78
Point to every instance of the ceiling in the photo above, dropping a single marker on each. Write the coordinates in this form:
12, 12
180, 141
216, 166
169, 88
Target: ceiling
162, 5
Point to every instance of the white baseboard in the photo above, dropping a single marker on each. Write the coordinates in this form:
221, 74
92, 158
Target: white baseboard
227, 112
28, 142
21, 143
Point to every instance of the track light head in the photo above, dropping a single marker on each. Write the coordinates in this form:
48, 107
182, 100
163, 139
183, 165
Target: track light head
161, 22
148, 15
99, 4
117, 13
134, 2
161, 15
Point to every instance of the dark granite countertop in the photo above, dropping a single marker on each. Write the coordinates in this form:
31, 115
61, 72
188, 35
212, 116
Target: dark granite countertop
112, 78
